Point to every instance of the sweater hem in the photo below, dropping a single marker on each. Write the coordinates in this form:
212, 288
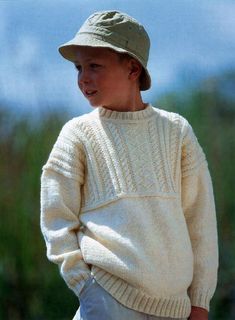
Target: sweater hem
133, 298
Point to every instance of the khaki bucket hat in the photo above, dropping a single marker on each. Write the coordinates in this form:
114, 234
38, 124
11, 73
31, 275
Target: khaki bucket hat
114, 30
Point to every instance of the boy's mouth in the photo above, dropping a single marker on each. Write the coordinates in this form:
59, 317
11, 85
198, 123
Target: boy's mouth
90, 93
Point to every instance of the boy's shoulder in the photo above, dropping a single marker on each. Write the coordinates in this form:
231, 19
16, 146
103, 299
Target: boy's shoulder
79, 122
171, 118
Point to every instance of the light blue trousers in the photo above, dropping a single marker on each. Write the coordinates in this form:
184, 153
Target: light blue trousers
97, 304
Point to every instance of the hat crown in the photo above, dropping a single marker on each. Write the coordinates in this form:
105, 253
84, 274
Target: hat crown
107, 18
121, 29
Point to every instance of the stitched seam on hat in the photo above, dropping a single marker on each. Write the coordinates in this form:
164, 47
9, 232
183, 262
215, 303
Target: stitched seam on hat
112, 42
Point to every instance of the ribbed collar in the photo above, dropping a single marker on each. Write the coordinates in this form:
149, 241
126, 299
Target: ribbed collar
125, 115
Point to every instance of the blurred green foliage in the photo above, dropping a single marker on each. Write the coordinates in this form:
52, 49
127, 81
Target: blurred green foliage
30, 286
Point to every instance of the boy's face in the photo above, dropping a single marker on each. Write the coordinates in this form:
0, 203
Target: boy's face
103, 77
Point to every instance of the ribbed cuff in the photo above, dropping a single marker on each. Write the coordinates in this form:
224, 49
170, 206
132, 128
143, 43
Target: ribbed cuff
200, 298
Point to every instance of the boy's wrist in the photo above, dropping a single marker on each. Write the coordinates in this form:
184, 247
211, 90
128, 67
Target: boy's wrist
198, 313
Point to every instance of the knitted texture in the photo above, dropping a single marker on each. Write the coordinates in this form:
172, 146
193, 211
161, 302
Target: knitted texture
127, 196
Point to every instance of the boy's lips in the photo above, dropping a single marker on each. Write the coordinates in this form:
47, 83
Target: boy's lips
90, 93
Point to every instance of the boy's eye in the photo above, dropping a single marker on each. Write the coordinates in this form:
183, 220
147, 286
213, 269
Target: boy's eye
94, 65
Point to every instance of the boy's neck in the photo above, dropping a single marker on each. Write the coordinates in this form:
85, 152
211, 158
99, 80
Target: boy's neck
133, 103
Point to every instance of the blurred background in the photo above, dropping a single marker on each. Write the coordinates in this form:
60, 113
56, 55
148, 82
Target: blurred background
192, 64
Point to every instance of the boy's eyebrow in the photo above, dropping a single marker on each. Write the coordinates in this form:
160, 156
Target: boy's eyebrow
86, 60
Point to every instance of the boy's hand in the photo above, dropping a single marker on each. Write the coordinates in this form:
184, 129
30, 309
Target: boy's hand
198, 313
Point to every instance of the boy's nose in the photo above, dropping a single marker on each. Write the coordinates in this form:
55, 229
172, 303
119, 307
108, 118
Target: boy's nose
83, 77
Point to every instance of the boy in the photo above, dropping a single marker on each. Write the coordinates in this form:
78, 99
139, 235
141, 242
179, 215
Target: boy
127, 208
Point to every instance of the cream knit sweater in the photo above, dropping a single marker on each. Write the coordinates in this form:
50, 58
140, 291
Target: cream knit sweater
129, 195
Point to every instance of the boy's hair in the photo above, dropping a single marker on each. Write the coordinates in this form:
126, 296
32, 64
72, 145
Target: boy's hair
117, 31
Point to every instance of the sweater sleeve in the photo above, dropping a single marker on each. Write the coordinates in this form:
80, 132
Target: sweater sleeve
199, 210
61, 182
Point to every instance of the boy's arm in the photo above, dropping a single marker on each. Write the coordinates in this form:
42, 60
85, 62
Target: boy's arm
199, 210
61, 183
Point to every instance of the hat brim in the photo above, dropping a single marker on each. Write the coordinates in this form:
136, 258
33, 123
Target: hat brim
69, 51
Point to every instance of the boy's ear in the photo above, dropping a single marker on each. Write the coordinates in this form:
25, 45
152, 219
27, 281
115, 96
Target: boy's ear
135, 69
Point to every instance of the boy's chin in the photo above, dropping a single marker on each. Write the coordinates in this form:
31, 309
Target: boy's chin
93, 104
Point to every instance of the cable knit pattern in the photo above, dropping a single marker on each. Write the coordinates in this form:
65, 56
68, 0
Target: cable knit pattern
127, 197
